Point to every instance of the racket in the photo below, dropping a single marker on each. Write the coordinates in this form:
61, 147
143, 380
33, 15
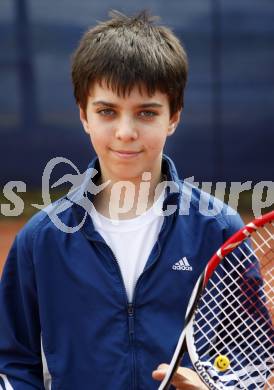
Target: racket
228, 329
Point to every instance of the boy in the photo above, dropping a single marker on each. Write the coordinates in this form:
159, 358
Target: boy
102, 308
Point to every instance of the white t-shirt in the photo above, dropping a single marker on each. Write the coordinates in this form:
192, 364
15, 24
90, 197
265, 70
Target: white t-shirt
131, 240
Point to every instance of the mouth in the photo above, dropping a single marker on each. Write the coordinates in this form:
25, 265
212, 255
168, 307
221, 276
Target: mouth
127, 154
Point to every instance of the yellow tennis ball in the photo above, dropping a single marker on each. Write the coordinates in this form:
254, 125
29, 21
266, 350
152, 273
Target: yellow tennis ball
221, 363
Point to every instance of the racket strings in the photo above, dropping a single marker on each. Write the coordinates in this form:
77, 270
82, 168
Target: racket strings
248, 291
247, 257
230, 285
229, 342
252, 292
235, 311
268, 275
245, 293
231, 352
231, 335
230, 317
266, 261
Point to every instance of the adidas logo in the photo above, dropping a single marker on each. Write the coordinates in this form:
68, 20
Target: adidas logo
182, 265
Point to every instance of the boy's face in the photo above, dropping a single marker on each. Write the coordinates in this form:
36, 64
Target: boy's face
128, 133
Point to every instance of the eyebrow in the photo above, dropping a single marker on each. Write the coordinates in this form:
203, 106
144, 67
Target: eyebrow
108, 104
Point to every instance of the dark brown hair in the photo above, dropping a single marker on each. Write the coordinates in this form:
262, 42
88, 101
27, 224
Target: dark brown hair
128, 51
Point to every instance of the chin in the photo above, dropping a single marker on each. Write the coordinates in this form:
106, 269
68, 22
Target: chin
124, 174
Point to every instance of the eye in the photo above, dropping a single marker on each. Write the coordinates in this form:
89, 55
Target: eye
106, 112
147, 114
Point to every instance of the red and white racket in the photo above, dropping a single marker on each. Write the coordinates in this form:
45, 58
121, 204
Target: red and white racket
228, 329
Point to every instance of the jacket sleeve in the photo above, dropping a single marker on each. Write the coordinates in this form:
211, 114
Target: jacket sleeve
20, 346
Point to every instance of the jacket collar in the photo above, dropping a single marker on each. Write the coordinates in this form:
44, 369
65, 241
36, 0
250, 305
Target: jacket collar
82, 196
173, 191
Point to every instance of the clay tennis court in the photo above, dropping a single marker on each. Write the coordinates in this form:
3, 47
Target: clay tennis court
8, 230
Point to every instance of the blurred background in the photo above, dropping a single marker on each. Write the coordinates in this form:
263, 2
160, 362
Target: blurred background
227, 129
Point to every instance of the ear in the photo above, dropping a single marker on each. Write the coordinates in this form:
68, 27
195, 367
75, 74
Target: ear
173, 122
83, 119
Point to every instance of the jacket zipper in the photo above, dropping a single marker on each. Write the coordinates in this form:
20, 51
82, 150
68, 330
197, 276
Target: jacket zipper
130, 310
130, 313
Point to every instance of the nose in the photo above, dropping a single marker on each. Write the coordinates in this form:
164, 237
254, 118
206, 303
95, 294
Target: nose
125, 130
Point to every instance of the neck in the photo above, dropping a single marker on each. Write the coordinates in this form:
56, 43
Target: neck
128, 199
